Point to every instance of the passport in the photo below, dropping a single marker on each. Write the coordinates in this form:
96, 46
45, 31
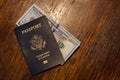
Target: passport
38, 45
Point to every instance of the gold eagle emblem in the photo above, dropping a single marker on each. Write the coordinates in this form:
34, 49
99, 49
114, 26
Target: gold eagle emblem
37, 42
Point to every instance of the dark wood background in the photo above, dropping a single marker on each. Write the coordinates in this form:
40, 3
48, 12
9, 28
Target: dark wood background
96, 23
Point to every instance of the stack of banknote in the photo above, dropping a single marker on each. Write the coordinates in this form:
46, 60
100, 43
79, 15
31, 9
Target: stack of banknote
67, 43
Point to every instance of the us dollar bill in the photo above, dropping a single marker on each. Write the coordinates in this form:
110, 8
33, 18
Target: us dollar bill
66, 41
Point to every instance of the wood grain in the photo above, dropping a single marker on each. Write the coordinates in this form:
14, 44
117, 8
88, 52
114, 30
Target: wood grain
96, 23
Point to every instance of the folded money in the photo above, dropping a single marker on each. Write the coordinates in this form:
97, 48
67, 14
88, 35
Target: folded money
66, 41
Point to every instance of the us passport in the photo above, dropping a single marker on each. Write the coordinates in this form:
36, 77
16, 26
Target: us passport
38, 45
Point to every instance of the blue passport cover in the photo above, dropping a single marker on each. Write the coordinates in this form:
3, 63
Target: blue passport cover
38, 45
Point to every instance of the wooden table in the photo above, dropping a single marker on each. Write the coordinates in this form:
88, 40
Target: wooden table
96, 23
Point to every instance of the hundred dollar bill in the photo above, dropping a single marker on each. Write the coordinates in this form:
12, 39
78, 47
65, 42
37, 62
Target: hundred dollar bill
66, 41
